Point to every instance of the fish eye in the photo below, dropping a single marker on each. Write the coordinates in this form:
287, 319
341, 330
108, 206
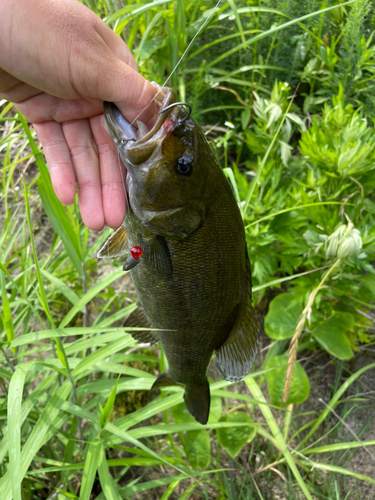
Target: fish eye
184, 164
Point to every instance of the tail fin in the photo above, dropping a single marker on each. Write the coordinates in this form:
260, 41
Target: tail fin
197, 400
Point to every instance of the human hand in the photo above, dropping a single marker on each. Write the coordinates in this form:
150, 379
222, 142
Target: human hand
58, 63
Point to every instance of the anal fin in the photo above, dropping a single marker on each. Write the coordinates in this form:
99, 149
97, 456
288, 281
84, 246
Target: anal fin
163, 380
138, 319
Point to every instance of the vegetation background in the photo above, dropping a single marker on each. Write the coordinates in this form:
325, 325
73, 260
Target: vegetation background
285, 93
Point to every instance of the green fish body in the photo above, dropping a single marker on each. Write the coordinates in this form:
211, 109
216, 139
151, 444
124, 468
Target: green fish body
193, 279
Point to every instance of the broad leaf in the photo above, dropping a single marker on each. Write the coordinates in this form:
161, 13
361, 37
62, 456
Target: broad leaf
331, 334
282, 318
198, 448
233, 438
299, 387
369, 282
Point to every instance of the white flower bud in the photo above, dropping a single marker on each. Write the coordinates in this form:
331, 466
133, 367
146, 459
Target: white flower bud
343, 242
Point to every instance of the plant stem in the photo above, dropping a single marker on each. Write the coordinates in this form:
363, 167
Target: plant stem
298, 332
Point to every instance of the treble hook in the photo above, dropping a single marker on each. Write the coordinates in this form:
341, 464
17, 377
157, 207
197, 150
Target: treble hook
173, 105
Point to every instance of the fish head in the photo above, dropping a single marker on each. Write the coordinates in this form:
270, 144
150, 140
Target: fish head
167, 168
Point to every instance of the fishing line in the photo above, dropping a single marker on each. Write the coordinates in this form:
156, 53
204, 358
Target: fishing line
166, 81
180, 60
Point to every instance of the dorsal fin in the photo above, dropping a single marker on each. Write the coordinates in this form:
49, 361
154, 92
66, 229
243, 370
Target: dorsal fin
115, 246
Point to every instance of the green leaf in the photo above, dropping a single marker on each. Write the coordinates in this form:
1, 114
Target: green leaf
62, 287
47, 425
108, 407
282, 317
59, 220
216, 409
102, 353
91, 465
299, 387
275, 429
53, 207
245, 118
181, 414
14, 427
331, 334
369, 282
150, 46
91, 293
233, 438
7, 316
67, 494
197, 447
106, 480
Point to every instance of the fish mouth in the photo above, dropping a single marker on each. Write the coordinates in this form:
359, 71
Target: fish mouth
136, 145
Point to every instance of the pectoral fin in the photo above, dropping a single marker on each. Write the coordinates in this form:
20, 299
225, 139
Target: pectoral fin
115, 246
156, 252
235, 357
138, 319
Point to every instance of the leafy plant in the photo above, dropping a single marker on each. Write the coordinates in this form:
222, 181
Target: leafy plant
78, 420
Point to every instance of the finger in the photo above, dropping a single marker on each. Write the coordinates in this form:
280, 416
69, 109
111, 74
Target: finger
13, 89
45, 107
58, 159
116, 44
112, 174
86, 165
132, 93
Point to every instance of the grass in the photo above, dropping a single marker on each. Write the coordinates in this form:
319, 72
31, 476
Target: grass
77, 417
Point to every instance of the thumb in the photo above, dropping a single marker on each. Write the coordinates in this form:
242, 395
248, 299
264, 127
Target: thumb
120, 81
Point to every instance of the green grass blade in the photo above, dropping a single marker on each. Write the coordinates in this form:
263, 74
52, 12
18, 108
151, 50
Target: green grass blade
125, 436
106, 480
340, 470
117, 315
38, 395
38, 274
334, 401
271, 31
91, 293
39, 435
285, 278
291, 209
62, 287
338, 446
91, 465
150, 485
238, 21
32, 338
168, 492
14, 427
108, 407
53, 207
61, 223
7, 315
102, 353
271, 422
188, 492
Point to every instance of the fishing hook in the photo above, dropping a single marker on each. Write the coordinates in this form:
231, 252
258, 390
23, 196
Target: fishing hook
173, 105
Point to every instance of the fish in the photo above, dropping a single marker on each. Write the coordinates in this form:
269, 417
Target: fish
186, 250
